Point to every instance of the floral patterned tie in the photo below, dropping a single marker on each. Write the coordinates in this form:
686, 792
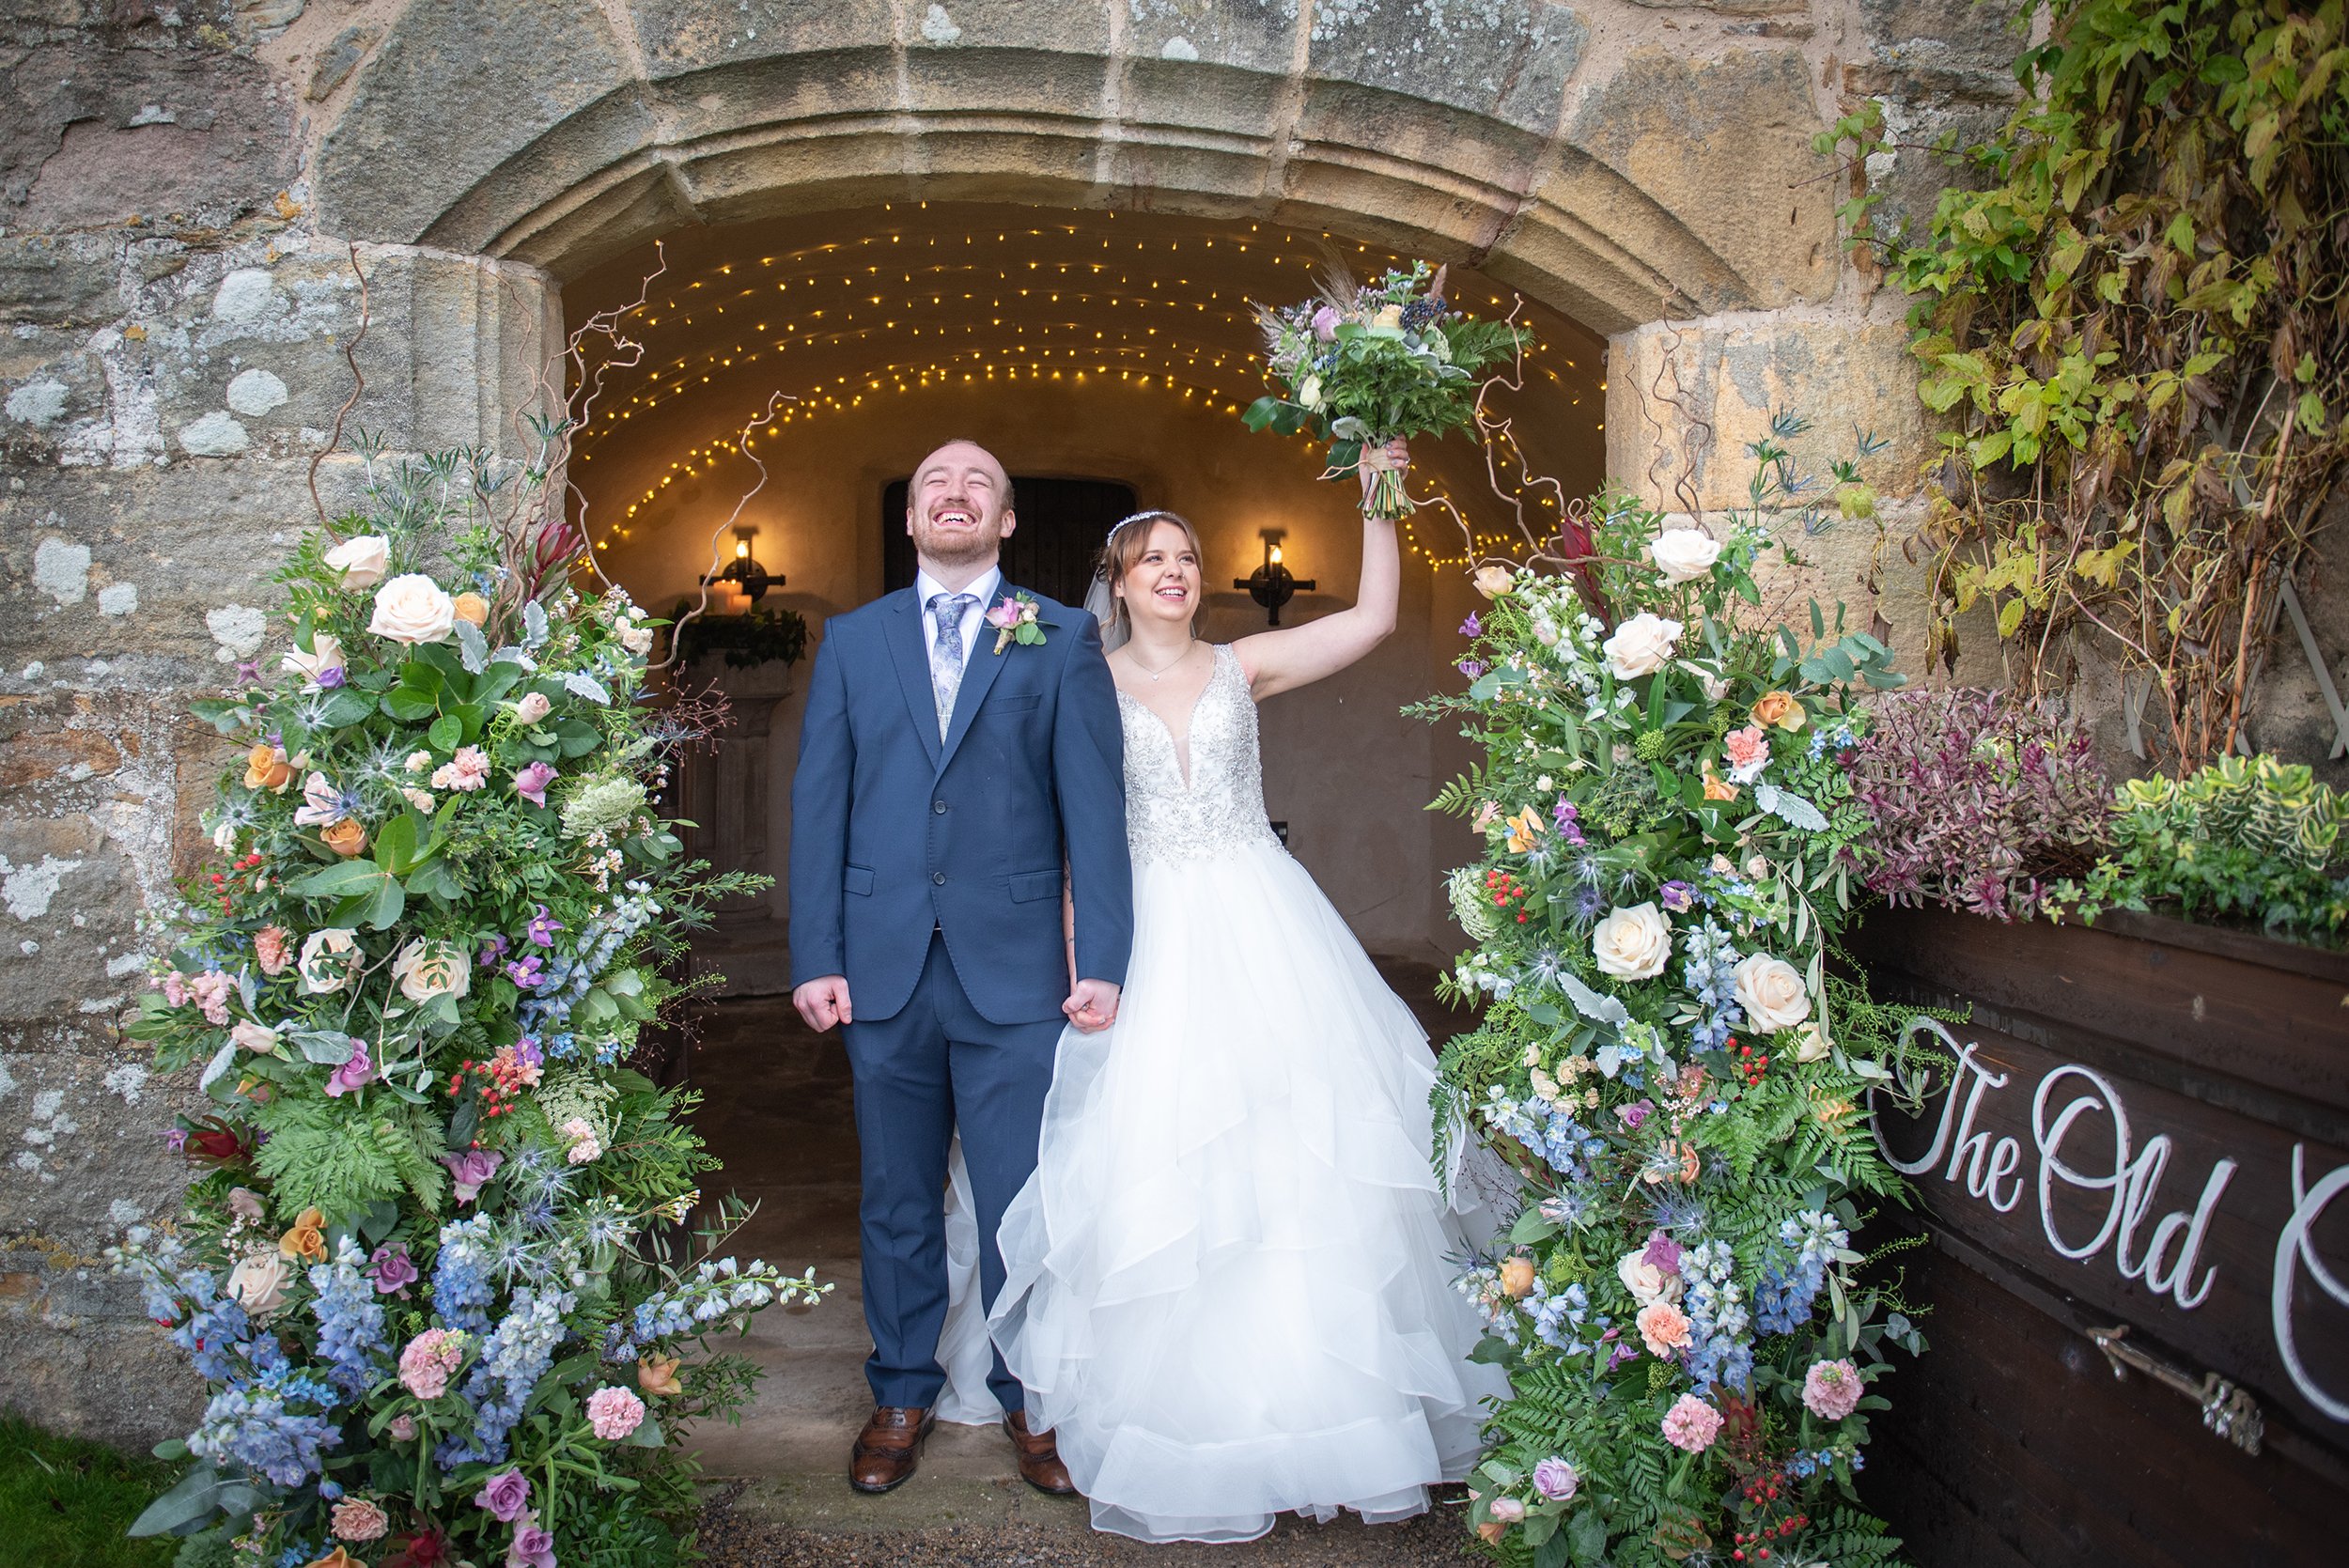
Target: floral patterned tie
946, 654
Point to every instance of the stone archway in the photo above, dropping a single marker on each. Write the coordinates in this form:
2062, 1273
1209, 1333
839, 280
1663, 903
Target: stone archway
1625, 162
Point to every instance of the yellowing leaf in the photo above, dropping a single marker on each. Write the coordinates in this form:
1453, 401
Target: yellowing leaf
2010, 616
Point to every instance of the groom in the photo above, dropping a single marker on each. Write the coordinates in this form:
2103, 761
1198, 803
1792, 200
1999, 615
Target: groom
949, 779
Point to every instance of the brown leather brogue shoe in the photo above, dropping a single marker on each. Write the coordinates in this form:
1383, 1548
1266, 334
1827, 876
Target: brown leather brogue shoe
1040, 1457
889, 1448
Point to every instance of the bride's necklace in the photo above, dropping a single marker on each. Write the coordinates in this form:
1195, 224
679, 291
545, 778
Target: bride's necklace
1162, 669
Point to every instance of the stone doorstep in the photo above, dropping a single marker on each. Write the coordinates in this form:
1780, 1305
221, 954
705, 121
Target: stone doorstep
966, 1479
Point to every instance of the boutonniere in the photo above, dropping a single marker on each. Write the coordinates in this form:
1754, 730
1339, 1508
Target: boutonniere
1013, 621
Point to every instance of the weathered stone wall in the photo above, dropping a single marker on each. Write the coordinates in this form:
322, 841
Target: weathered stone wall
179, 180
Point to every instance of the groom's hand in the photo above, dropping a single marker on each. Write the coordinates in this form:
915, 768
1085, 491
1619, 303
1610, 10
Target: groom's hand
1092, 1006
824, 1002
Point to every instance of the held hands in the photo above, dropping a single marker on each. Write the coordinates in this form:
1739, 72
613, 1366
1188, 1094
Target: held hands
823, 1001
1393, 455
1091, 1005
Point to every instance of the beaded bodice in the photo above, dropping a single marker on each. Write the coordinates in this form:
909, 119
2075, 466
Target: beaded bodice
1221, 807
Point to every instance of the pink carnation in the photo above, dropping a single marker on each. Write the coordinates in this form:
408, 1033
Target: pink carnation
271, 947
1832, 1390
212, 990
357, 1519
175, 987
426, 1365
1692, 1424
1663, 1327
1749, 750
616, 1412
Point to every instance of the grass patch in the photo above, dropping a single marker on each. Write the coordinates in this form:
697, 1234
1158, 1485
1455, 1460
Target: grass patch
65, 1503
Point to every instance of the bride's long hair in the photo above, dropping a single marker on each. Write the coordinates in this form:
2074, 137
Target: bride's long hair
1120, 553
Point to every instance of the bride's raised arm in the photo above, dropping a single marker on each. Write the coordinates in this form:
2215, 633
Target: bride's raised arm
1297, 656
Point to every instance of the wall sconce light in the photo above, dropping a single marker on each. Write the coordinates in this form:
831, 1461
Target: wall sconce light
744, 573
1271, 584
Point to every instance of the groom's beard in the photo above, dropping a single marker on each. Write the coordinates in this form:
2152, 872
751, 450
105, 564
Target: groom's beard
957, 547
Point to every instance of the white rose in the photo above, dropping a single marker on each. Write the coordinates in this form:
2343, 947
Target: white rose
636, 639
362, 561
1309, 391
325, 654
329, 958
1771, 992
1633, 944
427, 969
534, 706
1640, 645
1647, 1283
1814, 1043
412, 609
1684, 554
257, 1284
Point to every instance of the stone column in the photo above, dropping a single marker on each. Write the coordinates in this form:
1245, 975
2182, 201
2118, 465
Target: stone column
167, 393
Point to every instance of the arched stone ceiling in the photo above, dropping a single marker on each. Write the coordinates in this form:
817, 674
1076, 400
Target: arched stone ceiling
846, 314
1615, 169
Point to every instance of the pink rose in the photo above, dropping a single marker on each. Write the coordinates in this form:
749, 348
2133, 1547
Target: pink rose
472, 1171
426, 1365
614, 1413
357, 1069
1832, 1390
505, 1496
531, 781
467, 769
533, 1547
1663, 1327
402, 1430
1325, 323
1005, 616
534, 706
1692, 1424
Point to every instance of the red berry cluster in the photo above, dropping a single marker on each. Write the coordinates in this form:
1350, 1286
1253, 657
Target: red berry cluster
496, 1083
1751, 1063
228, 894
1761, 1493
1505, 891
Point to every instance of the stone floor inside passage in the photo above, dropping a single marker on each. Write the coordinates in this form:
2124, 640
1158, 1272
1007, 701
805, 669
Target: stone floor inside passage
777, 1109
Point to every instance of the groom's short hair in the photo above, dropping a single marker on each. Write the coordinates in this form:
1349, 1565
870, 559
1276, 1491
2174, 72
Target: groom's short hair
966, 440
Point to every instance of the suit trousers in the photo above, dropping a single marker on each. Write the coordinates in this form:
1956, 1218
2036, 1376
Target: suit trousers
933, 1065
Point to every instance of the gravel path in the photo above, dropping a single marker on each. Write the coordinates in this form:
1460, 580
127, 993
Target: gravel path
740, 1539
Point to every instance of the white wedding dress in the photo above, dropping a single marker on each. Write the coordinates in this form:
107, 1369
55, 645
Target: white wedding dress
1228, 1287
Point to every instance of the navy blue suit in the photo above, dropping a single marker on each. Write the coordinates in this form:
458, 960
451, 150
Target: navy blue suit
929, 872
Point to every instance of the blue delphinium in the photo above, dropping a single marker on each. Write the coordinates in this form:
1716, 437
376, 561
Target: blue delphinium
350, 1320
1560, 1317
1783, 1299
516, 1354
1717, 1321
258, 1430
1548, 1130
1710, 978
460, 1274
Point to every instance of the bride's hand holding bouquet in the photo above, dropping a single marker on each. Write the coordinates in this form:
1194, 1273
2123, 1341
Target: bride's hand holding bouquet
1365, 364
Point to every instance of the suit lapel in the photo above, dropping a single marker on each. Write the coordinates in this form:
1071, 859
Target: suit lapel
981, 664
910, 654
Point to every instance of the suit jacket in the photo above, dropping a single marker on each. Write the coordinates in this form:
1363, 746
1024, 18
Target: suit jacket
895, 832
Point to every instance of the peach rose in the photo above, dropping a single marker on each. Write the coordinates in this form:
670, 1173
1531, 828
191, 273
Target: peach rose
1493, 582
471, 608
1777, 711
266, 768
656, 1375
307, 1237
1717, 787
346, 837
254, 1037
1516, 1277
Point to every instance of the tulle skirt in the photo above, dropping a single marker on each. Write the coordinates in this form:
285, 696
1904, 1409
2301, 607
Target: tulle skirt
1228, 1288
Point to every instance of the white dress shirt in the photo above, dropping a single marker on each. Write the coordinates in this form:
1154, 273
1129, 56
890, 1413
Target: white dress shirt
986, 586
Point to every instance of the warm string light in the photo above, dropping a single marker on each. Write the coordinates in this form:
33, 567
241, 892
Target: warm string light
1126, 312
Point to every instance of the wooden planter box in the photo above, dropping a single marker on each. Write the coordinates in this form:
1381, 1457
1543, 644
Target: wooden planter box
2148, 1118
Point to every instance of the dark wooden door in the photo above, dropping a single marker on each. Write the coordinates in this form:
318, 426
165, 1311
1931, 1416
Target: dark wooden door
1062, 523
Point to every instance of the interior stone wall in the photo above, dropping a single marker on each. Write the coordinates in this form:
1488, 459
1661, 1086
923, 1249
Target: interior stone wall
185, 184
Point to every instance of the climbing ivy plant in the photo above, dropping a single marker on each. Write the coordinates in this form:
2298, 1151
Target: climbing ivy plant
2134, 310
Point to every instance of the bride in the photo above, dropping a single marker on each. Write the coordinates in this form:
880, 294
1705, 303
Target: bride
1226, 1287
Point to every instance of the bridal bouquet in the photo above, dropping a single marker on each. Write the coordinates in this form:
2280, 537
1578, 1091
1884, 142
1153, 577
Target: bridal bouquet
1366, 363
1667, 1063
430, 1266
